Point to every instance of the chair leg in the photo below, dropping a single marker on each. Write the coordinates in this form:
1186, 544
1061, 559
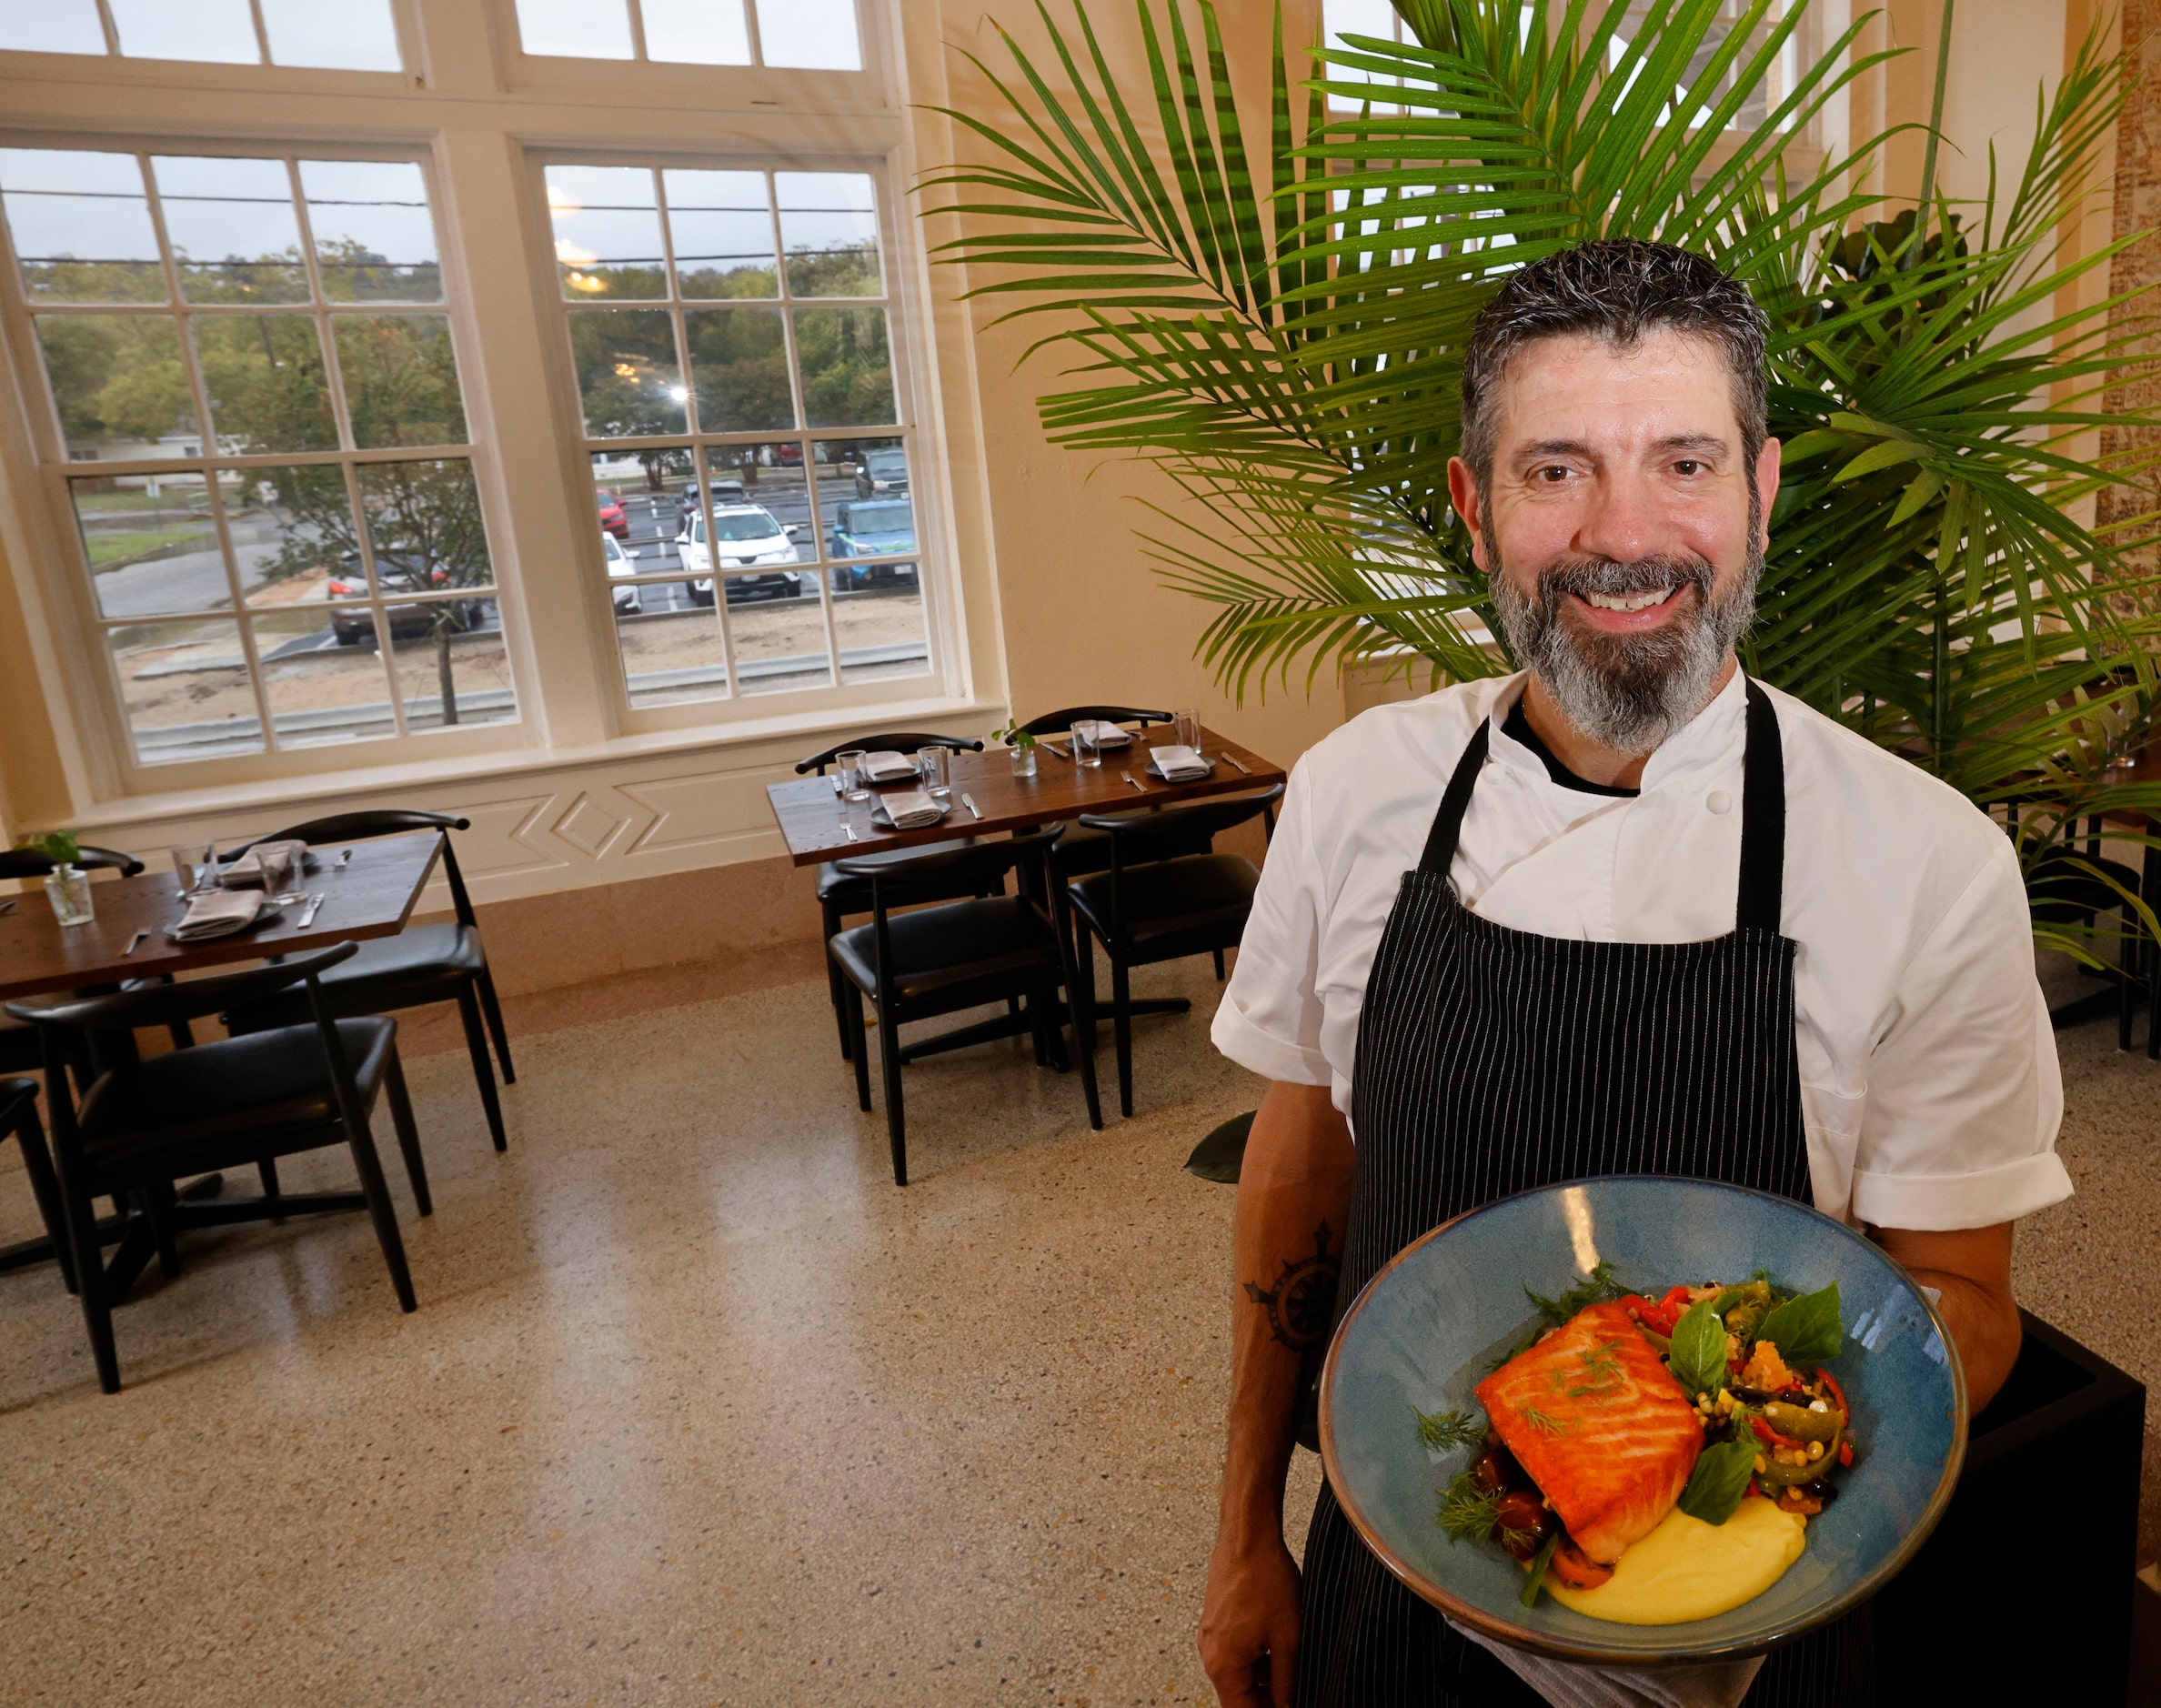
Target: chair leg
157, 1204
377, 1190
1046, 1002
1219, 961
888, 1054
37, 1163
852, 1028
835, 982
469, 1008
1122, 1027
182, 1034
492, 1011
90, 1285
408, 1135
266, 1172
1079, 999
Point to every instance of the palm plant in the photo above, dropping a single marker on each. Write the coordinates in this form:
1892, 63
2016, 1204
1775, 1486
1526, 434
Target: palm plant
1278, 329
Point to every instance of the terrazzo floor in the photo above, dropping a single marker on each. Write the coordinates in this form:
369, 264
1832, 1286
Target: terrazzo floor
698, 1409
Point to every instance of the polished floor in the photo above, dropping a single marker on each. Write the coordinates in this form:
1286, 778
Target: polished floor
697, 1408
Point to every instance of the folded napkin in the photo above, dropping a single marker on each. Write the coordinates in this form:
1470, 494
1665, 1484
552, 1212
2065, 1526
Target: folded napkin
886, 767
1107, 735
1176, 764
1713, 1684
911, 809
249, 868
218, 913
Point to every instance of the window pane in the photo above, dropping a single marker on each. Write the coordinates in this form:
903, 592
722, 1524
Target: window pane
606, 231
374, 241
870, 527
151, 544
575, 29
738, 365
447, 657
400, 376
779, 639
424, 528
627, 372
671, 651
878, 618
219, 30
119, 385
293, 538
847, 366
761, 511
722, 229
814, 34
267, 385
234, 236
51, 26
696, 32
828, 229
351, 35
320, 691
185, 688
81, 225
642, 502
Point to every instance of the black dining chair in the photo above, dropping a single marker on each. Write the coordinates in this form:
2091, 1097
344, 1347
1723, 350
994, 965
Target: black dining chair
249, 1098
18, 1121
422, 965
1163, 909
1080, 851
957, 955
841, 898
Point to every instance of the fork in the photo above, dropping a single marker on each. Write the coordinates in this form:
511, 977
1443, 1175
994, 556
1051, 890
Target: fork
315, 903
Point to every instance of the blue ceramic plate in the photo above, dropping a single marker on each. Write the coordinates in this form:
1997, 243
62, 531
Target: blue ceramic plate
1429, 1327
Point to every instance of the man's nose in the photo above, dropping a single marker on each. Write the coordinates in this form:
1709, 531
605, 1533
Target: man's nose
1623, 521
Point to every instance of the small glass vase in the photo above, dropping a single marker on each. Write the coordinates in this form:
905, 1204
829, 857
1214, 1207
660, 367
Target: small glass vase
67, 887
1024, 760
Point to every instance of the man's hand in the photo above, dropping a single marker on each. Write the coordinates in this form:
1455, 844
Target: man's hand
1249, 1622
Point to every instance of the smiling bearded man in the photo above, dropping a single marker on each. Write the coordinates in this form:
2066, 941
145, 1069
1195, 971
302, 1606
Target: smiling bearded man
1627, 912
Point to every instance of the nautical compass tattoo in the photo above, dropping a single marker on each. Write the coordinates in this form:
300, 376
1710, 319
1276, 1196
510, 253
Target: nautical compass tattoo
1304, 1297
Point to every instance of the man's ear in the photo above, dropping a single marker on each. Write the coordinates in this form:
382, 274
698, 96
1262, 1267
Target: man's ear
1463, 495
1766, 473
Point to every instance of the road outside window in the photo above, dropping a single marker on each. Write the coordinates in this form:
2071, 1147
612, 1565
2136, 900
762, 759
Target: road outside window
257, 405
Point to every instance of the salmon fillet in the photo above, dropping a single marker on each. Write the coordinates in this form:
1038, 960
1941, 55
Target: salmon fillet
1601, 1426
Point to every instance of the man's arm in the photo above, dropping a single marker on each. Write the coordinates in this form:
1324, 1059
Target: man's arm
1293, 1192
1971, 1268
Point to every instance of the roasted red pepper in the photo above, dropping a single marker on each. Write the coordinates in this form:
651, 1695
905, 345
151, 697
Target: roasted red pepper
1837, 1394
1771, 1438
1661, 1317
1846, 1454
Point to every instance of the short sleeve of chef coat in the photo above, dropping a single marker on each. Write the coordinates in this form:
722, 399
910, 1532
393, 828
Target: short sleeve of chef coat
1270, 1017
1965, 1093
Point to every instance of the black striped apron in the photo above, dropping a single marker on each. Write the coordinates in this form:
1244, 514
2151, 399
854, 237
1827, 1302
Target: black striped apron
1490, 1061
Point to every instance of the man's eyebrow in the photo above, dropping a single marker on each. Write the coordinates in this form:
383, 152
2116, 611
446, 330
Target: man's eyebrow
1708, 442
1693, 442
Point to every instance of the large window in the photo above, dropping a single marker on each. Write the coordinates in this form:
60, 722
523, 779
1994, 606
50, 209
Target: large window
731, 335
256, 430
346, 35
810, 35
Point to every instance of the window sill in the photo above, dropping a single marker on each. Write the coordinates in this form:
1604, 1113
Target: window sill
787, 738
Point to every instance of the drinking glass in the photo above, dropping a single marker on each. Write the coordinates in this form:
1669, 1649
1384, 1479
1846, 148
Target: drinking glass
277, 872
855, 806
930, 766
1185, 723
852, 769
1085, 750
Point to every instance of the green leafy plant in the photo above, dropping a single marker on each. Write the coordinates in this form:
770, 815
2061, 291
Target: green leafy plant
1276, 323
1014, 736
60, 846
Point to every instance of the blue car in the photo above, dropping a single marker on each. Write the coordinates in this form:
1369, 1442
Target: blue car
882, 527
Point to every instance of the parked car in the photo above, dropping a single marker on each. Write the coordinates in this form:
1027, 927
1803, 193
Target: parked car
789, 455
353, 624
746, 534
620, 564
726, 489
882, 473
611, 513
884, 528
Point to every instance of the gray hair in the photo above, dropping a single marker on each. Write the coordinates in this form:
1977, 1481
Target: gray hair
1617, 290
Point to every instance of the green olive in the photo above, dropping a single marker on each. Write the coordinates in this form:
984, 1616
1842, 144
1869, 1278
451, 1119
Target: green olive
1801, 1424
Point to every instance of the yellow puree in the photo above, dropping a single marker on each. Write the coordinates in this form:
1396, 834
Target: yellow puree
1686, 1569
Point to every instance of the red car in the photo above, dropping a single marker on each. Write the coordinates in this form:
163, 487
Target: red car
611, 513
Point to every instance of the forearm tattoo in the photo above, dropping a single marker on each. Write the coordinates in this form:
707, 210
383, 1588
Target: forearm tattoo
1302, 1300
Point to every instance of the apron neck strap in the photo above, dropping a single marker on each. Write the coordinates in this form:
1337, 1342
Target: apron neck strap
1763, 815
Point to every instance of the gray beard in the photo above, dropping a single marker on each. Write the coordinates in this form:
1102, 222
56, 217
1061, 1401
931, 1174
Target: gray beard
1627, 692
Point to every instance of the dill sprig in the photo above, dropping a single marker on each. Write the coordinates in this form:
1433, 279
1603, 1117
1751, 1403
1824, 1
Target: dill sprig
1598, 1286
1544, 1424
1467, 1510
1445, 1431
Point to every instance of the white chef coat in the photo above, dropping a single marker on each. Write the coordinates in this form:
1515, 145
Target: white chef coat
1929, 1082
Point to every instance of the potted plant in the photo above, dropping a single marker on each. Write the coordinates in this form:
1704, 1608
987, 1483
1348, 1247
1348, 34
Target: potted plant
67, 884
1023, 745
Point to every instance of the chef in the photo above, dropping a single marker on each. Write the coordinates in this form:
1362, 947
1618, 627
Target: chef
1628, 910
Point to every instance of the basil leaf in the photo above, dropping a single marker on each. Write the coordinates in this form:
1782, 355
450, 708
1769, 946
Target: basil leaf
1699, 1357
1539, 1562
1720, 1480
1806, 1330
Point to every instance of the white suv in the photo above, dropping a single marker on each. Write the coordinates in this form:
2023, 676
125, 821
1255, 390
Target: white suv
746, 535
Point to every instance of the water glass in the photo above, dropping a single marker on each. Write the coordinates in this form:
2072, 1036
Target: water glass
852, 769
67, 887
931, 766
1186, 725
277, 872
1085, 750
855, 806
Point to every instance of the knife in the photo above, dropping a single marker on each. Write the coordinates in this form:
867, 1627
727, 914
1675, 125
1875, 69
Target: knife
315, 903
135, 941
967, 800
1055, 752
1242, 769
1136, 782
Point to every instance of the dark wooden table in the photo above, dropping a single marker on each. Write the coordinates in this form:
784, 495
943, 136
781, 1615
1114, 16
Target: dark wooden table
373, 895
811, 818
